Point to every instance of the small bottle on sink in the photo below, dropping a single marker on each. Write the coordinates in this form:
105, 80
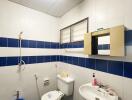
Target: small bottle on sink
94, 81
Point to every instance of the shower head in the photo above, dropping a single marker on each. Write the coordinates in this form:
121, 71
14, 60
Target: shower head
20, 35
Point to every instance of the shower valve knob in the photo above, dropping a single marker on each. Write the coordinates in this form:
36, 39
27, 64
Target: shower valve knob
46, 82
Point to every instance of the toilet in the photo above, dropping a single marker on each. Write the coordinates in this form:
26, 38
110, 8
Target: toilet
65, 87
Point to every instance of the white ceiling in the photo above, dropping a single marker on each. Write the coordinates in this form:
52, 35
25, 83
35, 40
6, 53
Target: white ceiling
55, 8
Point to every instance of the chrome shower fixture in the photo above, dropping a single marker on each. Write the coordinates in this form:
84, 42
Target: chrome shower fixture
21, 61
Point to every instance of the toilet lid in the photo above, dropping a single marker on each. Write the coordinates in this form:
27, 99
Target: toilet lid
52, 95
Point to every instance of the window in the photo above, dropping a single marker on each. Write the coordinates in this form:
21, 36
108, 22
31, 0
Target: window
74, 32
65, 35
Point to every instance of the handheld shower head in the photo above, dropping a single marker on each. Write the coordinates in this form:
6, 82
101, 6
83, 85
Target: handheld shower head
20, 35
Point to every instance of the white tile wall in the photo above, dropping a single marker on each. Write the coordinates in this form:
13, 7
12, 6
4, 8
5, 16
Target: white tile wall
101, 13
38, 26
35, 25
10, 80
7, 51
121, 85
15, 18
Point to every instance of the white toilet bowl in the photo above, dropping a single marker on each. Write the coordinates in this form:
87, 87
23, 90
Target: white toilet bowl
52, 95
64, 84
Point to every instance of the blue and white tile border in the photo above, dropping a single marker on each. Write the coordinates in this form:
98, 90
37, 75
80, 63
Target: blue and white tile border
9, 61
11, 42
120, 68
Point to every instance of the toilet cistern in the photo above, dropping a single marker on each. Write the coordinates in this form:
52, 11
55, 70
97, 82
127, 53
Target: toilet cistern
65, 87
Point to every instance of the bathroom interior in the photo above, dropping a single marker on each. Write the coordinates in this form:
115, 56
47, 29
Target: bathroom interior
65, 50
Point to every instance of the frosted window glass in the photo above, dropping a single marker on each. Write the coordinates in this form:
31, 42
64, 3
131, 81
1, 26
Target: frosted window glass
78, 30
65, 36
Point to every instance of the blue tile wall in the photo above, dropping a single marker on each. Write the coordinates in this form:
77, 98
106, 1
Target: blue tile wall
90, 63
25, 59
3, 42
11, 42
70, 60
115, 67
101, 65
82, 62
32, 59
3, 61
78, 44
104, 47
119, 68
128, 38
60, 58
32, 44
47, 44
53, 58
40, 44
47, 59
128, 69
9, 61
57, 58
25, 43
75, 60
40, 59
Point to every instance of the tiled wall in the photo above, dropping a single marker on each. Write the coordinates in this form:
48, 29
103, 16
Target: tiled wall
115, 66
9, 61
41, 35
79, 44
11, 42
14, 43
121, 68
101, 13
104, 47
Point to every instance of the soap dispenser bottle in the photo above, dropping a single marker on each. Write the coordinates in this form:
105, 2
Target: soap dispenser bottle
94, 81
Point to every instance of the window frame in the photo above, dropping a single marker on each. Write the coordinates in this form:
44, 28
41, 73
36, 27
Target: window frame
70, 26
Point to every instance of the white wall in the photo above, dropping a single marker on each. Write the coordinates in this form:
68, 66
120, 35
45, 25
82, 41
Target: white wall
82, 75
101, 13
10, 81
15, 18
38, 26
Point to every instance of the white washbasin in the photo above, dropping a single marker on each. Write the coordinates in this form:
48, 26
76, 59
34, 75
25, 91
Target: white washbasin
89, 92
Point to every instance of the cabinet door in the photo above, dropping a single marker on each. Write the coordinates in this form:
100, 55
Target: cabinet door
117, 42
88, 43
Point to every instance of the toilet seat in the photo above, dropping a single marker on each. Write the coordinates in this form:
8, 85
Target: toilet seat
53, 95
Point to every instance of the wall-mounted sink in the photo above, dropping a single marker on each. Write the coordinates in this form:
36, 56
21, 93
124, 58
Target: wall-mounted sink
89, 92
